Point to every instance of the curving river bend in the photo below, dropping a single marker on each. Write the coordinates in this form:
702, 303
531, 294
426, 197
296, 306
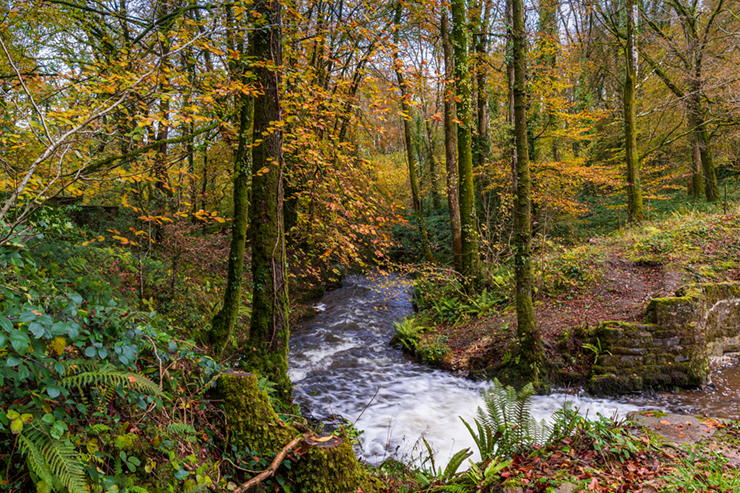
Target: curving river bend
341, 358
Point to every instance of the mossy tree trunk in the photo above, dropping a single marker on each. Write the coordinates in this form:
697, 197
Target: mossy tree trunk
634, 188
253, 424
480, 25
432, 157
266, 349
697, 177
223, 322
408, 139
451, 144
548, 48
700, 134
464, 93
530, 340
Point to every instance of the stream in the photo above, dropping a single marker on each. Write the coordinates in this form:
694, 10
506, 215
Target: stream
342, 366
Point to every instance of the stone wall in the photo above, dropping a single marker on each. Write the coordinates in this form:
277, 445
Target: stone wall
674, 345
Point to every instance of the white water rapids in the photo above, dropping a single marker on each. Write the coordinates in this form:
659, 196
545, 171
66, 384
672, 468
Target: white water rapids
341, 358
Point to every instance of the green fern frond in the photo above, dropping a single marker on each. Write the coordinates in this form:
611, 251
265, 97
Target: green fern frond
54, 461
182, 431
509, 416
35, 458
109, 376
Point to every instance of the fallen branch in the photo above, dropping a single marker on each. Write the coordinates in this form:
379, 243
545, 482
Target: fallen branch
270, 471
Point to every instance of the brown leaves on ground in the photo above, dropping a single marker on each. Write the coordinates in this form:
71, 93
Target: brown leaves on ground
590, 468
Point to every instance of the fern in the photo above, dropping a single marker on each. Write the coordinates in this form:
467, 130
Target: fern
54, 461
109, 376
182, 432
508, 415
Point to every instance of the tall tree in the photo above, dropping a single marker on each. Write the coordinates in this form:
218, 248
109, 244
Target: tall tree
481, 15
408, 136
266, 350
530, 340
223, 322
621, 23
451, 143
634, 188
691, 59
464, 96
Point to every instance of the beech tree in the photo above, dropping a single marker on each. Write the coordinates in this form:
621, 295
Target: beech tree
698, 24
406, 118
530, 340
266, 348
450, 134
464, 97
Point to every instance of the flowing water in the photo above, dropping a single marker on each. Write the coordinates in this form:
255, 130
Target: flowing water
342, 365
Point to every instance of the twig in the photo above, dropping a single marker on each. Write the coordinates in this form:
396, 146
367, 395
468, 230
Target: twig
270, 471
161, 374
366, 406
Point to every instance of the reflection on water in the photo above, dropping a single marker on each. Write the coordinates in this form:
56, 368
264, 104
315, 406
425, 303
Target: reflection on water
721, 399
341, 365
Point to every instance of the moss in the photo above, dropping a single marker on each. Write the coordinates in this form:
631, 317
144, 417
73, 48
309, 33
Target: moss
654, 414
250, 418
253, 423
331, 470
615, 384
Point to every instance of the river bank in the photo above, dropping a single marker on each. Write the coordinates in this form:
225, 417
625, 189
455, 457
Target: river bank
344, 369
613, 278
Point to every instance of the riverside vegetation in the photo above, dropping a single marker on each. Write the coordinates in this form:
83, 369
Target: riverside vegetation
178, 177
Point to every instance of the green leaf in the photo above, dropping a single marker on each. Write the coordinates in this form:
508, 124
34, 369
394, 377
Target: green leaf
6, 324
20, 341
27, 316
91, 352
13, 414
53, 393
60, 329
48, 418
59, 429
16, 426
37, 330
74, 332
43, 487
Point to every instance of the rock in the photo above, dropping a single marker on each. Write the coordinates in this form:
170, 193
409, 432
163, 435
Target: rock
565, 488
678, 429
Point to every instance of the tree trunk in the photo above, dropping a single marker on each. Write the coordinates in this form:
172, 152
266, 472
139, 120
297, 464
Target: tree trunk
223, 323
530, 341
697, 176
253, 424
634, 189
408, 139
482, 143
451, 145
696, 120
266, 351
470, 261
549, 44
433, 178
